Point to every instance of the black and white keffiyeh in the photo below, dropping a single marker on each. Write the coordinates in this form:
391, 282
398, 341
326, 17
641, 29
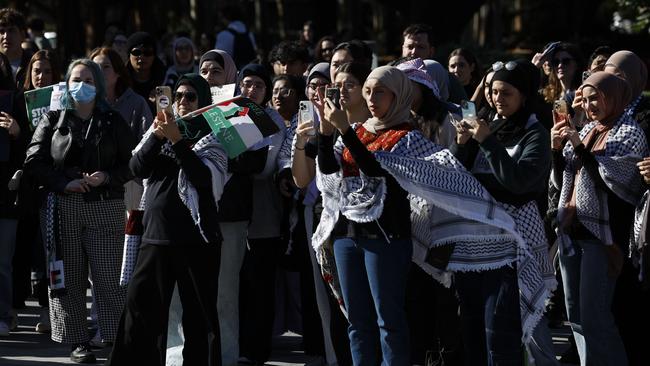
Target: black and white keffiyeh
448, 206
625, 146
212, 154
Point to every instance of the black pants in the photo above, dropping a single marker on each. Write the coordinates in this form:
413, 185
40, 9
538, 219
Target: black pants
434, 322
630, 307
142, 334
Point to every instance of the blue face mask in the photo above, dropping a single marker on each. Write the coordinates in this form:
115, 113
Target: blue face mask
82, 92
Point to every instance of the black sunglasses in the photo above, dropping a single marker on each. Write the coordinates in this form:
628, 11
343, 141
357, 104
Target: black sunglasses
137, 52
190, 96
564, 61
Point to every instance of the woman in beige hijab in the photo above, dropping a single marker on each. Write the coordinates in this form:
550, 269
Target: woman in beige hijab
631, 316
599, 187
372, 241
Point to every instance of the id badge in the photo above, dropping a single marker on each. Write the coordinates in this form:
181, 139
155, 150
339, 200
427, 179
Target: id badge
57, 279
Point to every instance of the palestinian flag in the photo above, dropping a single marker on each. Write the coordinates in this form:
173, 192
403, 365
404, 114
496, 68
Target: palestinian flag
239, 124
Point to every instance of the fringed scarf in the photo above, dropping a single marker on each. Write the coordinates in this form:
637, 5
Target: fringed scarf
448, 206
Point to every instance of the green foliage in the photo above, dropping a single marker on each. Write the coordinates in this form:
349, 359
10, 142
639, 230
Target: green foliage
631, 16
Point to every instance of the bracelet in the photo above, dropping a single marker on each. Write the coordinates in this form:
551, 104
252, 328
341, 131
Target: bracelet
301, 149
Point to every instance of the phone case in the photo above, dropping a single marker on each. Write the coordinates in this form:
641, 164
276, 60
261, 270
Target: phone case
334, 94
307, 113
163, 99
469, 109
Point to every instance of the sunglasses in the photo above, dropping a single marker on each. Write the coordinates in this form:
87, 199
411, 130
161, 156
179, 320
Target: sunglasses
510, 65
137, 52
190, 96
562, 61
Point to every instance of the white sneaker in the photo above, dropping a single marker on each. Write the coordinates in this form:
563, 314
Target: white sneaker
43, 325
4, 329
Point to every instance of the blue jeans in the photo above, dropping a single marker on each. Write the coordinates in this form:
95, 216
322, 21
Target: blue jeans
7, 247
588, 292
490, 318
373, 276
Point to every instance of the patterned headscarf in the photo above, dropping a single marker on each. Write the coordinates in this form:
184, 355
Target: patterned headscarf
400, 85
416, 71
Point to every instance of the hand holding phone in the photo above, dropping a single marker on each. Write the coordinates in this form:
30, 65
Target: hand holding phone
306, 109
548, 51
334, 94
561, 112
468, 109
163, 99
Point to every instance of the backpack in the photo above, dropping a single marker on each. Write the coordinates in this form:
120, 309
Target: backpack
243, 50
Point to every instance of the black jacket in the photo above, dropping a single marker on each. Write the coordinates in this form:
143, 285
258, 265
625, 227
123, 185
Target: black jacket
107, 147
12, 155
167, 221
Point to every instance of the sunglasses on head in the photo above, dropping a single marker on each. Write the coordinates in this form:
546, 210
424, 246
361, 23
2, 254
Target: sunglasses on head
510, 65
137, 52
190, 96
563, 61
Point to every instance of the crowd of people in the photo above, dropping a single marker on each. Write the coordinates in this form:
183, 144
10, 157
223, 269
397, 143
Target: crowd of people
392, 224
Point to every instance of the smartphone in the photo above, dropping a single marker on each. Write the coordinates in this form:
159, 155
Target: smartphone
468, 109
163, 99
561, 111
548, 51
306, 109
335, 95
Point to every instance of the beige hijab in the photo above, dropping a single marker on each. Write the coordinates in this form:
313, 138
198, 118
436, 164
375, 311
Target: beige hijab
397, 82
614, 91
634, 69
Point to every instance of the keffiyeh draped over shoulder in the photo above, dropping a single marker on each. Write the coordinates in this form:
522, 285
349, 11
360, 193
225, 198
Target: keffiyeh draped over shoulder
448, 206
212, 154
626, 145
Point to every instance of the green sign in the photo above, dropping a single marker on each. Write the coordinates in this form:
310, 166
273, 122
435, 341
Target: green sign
38, 103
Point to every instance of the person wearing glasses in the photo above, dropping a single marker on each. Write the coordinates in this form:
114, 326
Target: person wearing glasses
81, 155
147, 71
185, 175
566, 75
287, 92
510, 156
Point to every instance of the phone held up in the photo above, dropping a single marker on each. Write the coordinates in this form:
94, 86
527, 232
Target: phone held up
335, 95
306, 109
468, 109
163, 99
561, 112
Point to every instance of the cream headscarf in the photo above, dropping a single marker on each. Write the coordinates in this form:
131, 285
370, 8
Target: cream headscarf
397, 82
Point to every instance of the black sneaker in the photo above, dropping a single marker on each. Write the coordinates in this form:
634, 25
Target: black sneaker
81, 353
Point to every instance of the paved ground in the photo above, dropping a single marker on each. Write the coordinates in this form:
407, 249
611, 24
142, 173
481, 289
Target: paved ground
28, 348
